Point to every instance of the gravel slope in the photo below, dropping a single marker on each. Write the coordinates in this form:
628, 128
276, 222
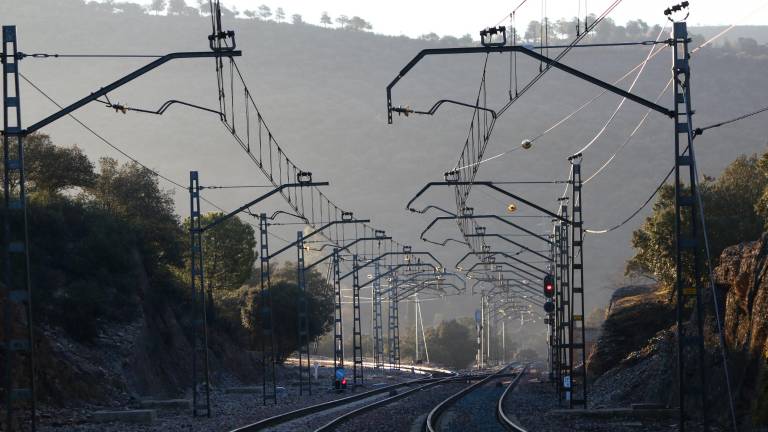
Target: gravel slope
531, 401
407, 414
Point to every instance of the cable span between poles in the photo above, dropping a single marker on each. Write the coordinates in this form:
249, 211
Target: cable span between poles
128, 156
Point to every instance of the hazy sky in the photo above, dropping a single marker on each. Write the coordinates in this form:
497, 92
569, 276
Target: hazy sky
416, 17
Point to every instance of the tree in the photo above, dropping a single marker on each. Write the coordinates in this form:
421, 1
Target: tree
359, 24
466, 39
177, 7
95, 264
284, 293
107, 6
249, 13
342, 20
733, 212
566, 29
203, 6
533, 32
228, 249
747, 45
132, 193
265, 12
205, 9
325, 19
450, 40
51, 169
430, 37
451, 344
637, 29
279, 14
129, 8
297, 19
157, 6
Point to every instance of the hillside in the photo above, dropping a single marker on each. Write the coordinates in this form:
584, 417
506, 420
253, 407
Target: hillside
322, 92
758, 33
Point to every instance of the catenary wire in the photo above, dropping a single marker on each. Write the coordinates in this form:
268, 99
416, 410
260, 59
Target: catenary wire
125, 154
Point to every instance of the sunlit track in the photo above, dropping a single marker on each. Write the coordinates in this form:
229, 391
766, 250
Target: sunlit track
502, 416
432, 423
318, 409
333, 424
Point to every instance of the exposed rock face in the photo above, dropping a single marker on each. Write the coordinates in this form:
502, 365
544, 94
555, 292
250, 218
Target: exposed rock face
742, 271
635, 352
634, 360
635, 315
640, 377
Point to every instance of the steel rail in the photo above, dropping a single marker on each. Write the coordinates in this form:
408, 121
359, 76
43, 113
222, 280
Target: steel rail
501, 416
376, 404
349, 415
303, 412
434, 415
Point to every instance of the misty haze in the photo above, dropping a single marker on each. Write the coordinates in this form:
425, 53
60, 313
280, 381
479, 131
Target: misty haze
235, 216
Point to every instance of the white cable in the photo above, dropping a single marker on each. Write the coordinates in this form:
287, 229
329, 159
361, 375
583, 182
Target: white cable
645, 116
695, 50
624, 99
629, 138
573, 113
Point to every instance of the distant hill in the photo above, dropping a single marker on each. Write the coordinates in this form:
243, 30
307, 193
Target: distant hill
757, 32
322, 92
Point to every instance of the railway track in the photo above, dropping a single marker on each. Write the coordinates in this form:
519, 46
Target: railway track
436, 417
507, 420
352, 406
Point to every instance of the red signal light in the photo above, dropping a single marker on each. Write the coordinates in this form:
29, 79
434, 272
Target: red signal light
344, 382
549, 287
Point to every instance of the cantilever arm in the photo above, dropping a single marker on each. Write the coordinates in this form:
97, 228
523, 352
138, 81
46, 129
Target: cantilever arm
424, 286
513, 242
160, 111
439, 103
425, 209
490, 185
533, 300
390, 271
530, 53
330, 255
504, 254
317, 231
378, 258
445, 242
526, 275
489, 216
125, 80
525, 289
257, 200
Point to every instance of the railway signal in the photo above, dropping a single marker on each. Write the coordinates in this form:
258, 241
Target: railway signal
549, 287
340, 379
549, 307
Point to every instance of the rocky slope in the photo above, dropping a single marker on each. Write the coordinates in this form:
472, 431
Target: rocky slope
635, 315
634, 359
147, 358
634, 352
742, 271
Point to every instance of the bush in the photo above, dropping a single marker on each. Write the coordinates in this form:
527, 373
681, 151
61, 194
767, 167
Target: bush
84, 267
285, 292
452, 344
